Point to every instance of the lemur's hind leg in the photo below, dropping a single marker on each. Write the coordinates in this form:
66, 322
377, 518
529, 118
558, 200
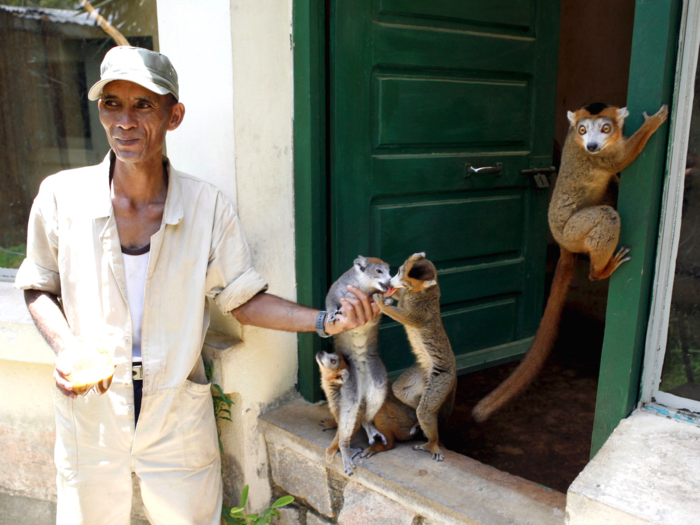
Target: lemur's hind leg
597, 234
374, 397
410, 385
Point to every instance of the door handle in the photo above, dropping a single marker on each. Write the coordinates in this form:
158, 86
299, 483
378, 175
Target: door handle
485, 170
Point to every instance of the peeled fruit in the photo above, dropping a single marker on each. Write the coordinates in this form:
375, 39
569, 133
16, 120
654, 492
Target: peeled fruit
90, 364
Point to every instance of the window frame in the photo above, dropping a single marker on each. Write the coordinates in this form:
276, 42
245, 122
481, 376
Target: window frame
652, 398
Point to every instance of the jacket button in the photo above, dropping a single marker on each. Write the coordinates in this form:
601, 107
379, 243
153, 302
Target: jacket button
127, 341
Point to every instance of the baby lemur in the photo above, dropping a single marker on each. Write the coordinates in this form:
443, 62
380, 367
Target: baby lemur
395, 420
429, 385
594, 153
359, 347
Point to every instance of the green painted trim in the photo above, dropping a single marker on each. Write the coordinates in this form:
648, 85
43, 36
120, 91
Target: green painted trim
651, 80
310, 177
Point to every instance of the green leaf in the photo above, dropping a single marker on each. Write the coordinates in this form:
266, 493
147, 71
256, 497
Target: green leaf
244, 496
260, 521
226, 515
286, 500
225, 399
236, 510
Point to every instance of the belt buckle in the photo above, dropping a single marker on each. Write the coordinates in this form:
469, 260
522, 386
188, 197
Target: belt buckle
137, 372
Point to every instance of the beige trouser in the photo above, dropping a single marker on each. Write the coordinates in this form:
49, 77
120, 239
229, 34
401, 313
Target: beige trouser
173, 451
107, 499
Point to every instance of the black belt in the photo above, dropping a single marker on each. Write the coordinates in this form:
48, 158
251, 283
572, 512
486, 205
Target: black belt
137, 378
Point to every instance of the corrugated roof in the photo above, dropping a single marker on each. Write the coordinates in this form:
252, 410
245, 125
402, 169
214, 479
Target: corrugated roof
59, 16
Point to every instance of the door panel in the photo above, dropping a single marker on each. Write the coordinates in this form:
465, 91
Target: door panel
442, 111
420, 92
503, 13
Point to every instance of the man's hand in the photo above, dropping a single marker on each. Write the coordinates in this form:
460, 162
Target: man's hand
354, 312
62, 369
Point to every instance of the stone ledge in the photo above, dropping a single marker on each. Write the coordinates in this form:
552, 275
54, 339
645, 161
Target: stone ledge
458, 490
648, 472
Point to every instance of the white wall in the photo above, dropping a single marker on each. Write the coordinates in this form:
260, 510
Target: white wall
234, 62
197, 39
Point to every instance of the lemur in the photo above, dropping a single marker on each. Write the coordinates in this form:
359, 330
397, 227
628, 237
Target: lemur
359, 346
395, 420
339, 383
594, 153
429, 385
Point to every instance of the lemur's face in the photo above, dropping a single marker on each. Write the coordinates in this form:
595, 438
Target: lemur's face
597, 126
332, 367
373, 274
415, 275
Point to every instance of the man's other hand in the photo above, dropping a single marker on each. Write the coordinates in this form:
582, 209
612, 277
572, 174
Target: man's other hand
62, 369
355, 311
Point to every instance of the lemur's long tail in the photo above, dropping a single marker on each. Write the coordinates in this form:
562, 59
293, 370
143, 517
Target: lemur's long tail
542, 345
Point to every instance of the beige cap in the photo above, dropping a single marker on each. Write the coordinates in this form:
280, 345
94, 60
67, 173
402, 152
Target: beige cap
141, 66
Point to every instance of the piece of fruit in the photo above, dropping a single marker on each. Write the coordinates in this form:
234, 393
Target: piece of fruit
90, 364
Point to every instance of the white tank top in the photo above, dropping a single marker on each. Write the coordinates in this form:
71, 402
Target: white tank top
135, 269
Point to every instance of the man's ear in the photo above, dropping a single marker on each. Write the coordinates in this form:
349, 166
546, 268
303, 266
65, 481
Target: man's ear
176, 116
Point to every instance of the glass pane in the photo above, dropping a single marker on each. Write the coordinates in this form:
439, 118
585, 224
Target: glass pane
681, 371
50, 54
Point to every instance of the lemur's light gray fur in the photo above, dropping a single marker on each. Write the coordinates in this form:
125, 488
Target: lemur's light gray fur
359, 345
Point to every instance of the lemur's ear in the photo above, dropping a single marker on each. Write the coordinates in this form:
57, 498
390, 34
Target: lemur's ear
428, 284
361, 262
572, 117
622, 114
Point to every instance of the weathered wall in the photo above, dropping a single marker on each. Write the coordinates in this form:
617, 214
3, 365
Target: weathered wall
237, 88
235, 64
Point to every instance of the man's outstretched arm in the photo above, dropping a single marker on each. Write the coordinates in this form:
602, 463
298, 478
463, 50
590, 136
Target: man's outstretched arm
269, 311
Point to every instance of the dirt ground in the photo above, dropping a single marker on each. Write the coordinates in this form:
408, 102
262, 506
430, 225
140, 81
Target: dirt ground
545, 434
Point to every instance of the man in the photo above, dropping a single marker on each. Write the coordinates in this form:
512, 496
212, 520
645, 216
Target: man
133, 247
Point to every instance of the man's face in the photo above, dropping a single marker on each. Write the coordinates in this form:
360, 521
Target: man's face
136, 120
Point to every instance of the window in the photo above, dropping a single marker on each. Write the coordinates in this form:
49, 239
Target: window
672, 368
49, 58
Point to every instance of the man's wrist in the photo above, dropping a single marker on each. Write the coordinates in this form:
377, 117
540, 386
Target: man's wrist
321, 324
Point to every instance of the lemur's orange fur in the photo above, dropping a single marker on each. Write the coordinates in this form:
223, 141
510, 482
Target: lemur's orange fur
594, 153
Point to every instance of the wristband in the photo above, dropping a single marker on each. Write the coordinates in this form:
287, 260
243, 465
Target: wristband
320, 322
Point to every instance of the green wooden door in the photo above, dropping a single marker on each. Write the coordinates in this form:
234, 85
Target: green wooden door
419, 92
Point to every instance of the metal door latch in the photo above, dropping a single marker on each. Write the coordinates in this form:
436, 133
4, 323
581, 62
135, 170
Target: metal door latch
539, 175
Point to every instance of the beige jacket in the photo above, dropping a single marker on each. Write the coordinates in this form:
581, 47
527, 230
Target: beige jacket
73, 251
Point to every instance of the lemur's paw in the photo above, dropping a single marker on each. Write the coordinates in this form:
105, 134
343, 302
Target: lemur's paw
334, 317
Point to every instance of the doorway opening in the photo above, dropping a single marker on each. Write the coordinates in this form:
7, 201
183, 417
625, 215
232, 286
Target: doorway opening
545, 434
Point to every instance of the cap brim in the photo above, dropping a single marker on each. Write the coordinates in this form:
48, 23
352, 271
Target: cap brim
96, 90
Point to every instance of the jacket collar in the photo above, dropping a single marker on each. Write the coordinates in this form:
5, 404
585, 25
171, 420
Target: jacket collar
174, 206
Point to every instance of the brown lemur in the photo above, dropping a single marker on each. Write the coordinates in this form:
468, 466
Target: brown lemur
395, 420
359, 348
429, 385
594, 153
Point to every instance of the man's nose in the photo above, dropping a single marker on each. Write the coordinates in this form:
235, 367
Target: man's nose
126, 119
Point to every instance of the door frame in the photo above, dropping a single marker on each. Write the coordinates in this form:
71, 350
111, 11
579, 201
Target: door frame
309, 41
651, 83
